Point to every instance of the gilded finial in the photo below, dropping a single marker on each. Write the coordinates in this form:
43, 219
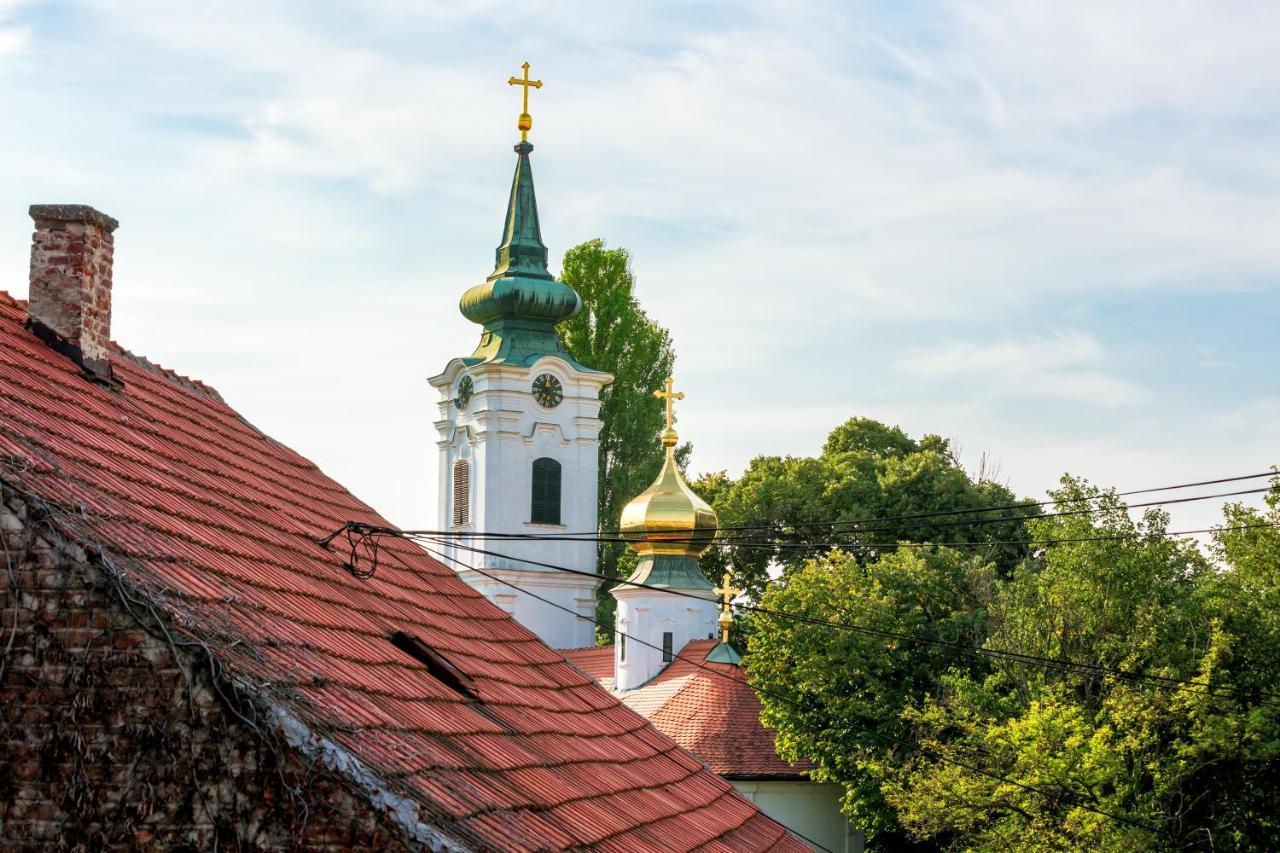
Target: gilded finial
727, 594
525, 122
668, 519
669, 436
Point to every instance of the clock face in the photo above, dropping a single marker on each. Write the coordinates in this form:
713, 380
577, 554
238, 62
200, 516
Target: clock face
548, 391
465, 389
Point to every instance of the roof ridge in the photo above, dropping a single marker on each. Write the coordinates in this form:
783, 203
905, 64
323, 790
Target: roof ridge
168, 373
8, 300
171, 491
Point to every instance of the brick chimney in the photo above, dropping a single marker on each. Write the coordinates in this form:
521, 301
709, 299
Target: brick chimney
70, 297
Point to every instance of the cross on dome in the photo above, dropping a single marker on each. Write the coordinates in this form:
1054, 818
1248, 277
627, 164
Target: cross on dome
525, 122
669, 396
726, 593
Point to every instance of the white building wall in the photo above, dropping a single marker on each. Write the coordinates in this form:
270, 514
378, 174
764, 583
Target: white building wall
502, 431
644, 614
811, 809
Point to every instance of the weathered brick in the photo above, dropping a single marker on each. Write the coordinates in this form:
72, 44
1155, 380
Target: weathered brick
99, 743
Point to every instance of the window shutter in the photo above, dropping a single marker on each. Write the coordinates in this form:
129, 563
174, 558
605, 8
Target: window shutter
666, 646
544, 504
538, 499
553, 492
461, 493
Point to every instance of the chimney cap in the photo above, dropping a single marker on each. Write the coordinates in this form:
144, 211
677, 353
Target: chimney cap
73, 213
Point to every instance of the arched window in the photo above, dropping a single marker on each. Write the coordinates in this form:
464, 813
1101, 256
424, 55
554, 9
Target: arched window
461, 492
545, 506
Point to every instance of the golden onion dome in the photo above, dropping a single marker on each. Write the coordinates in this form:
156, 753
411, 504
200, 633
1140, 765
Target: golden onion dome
668, 518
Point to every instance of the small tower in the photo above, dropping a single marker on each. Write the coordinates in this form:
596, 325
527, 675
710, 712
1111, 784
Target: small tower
669, 527
519, 434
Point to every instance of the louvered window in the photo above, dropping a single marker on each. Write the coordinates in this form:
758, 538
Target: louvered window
666, 646
461, 492
545, 508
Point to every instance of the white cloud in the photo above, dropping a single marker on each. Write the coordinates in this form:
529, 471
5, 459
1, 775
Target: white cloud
14, 38
1066, 350
1073, 64
810, 191
1068, 366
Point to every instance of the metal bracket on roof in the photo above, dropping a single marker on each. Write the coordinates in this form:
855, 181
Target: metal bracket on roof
324, 541
361, 539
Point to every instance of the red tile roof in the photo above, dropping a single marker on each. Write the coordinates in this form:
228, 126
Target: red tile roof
717, 718
216, 523
595, 661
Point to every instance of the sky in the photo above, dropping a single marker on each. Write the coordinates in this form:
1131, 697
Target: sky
1049, 231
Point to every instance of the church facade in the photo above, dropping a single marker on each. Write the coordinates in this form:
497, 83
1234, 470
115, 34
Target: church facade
518, 504
518, 439
518, 497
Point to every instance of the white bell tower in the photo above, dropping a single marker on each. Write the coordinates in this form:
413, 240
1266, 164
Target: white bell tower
519, 434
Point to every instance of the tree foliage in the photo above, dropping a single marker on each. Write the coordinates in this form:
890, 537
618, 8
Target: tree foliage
613, 333
1180, 768
866, 470
847, 692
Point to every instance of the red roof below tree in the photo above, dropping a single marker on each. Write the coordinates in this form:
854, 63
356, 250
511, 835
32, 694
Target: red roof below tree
708, 708
216, 523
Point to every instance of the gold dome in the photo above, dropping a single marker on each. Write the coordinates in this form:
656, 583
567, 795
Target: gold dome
667, 517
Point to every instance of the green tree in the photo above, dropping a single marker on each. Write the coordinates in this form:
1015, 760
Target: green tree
1193, 769
613, 333
1199, 769
866, 470
839, 698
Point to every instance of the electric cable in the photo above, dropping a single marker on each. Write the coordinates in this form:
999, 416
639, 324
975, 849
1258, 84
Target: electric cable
745, 542
665, 755
923, 515
391, 531
1066, 665
892, 741
617, 536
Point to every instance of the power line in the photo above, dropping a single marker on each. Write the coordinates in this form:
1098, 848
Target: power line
892, 741
932, 513
666, 754
1069, 512
594, 621
391, 531
746, 542
616, 536
1022, 505
1079, 667
1061, 540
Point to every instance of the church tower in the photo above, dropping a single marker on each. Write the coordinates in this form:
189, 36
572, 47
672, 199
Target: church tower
519, 434
669, 527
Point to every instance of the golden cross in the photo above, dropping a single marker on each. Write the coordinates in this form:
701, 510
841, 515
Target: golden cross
726, 594
525, 122
670, 396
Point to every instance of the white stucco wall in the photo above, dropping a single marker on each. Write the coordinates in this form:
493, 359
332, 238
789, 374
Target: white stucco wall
644, 614
501, 432
811, 809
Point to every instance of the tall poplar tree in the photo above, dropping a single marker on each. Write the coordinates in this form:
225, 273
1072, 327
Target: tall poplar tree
613, 333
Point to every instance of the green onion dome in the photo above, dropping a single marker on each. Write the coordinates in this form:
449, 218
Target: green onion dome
520, 298
521, 302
